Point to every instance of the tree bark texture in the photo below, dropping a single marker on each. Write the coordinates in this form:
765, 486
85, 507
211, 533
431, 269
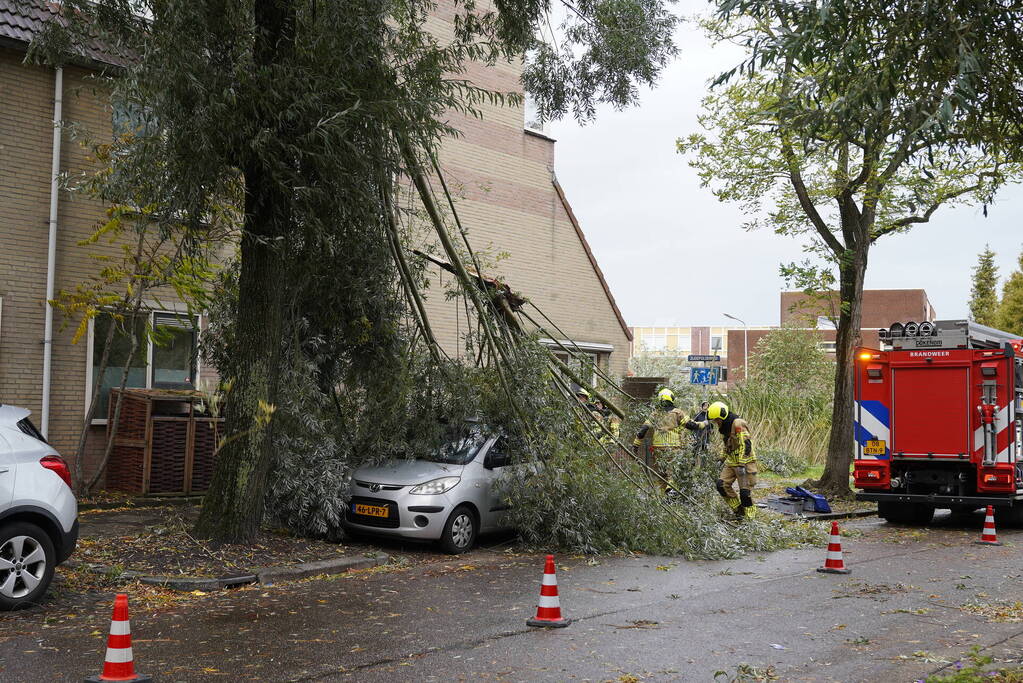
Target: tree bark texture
234, 503
835, 479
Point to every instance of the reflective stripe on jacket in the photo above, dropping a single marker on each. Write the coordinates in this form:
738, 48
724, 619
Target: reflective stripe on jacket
738, 444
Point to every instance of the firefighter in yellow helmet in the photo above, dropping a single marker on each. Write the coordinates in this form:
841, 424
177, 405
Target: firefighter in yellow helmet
667, 423
740, 463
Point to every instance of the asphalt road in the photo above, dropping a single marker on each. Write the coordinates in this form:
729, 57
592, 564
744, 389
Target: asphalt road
897, 617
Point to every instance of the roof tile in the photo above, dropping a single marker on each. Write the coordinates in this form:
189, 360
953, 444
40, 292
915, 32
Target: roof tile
22, 20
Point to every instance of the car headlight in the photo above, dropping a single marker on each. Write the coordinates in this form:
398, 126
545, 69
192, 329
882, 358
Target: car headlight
436, 486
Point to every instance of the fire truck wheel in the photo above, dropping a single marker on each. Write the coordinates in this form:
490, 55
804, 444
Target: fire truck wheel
1010, 517
905, 513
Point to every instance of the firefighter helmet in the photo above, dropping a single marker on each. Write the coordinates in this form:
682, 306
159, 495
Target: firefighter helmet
666, 395
717, 411
582, 392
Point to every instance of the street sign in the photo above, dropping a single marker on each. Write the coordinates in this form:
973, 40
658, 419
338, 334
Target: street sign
696, 357
703, 375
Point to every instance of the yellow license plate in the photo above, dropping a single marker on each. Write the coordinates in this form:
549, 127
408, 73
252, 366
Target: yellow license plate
874, 447
370, 510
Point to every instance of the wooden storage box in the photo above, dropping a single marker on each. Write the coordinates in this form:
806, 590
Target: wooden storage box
164, 444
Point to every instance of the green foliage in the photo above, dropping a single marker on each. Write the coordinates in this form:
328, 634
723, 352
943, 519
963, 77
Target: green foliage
1009, 316
984, 293
781, 462
790, 360
580, 503
787, 398
606, 50
934, 70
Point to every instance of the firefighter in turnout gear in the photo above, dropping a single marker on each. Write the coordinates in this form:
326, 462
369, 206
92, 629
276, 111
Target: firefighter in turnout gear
740, 463
666, 423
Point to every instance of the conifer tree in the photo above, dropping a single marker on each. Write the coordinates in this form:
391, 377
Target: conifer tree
984, 294
1010, 310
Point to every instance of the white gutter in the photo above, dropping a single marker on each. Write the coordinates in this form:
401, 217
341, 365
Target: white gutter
51, 247
599, 347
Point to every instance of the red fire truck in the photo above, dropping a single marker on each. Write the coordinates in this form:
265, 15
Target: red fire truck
937, 421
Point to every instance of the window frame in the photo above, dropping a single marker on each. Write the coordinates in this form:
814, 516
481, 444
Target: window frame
151, 311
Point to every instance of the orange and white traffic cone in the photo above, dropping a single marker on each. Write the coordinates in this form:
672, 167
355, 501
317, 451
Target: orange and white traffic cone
834, 564
548, 609
988, 535
119, 664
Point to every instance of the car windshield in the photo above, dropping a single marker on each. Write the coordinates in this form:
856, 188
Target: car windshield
459, 449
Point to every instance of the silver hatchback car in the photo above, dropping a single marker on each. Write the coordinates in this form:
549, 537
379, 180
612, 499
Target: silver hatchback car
451, 497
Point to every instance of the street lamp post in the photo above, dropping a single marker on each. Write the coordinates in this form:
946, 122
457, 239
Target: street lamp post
745, 345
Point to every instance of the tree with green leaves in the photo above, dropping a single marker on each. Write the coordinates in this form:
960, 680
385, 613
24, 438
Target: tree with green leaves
318, 107
1009, 316
851, 121
984, 293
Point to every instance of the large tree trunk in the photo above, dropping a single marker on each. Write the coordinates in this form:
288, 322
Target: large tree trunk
835, 480
233, 507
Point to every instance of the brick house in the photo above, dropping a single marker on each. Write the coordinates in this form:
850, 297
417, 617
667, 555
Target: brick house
501, 171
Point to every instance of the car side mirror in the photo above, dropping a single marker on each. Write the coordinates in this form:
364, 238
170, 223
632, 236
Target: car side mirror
495, 460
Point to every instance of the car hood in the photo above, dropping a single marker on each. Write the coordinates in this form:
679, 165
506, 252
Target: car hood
406, 472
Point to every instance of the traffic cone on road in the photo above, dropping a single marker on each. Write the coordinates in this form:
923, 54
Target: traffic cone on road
548, 609
834, 564
119, 664
988, 535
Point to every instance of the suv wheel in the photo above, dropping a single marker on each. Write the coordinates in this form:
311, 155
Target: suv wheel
460, 531
27, 560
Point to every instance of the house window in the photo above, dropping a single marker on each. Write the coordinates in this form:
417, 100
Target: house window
532, 117
582, 364
174, 351
128, 118
166, 361
656, 342
685, 343
827, 346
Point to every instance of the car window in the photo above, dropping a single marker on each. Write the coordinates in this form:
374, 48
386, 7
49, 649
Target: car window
502, 453
26, 427
458, 450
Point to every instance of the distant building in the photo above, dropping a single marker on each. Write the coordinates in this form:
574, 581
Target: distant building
679, 341
881, 307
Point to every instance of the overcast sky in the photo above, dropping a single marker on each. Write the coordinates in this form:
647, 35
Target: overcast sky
674, 255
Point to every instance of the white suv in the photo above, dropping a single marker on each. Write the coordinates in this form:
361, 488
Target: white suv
38, 511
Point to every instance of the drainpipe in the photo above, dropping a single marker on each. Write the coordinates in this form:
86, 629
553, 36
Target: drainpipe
51, 248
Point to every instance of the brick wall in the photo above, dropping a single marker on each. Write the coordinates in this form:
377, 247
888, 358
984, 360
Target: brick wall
26, 143
26, 133
881, 307
503, 179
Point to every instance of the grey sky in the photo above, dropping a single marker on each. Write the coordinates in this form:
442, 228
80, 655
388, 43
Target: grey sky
674, 255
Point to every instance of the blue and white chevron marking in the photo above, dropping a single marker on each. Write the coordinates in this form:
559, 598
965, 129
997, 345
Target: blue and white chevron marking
872, 422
